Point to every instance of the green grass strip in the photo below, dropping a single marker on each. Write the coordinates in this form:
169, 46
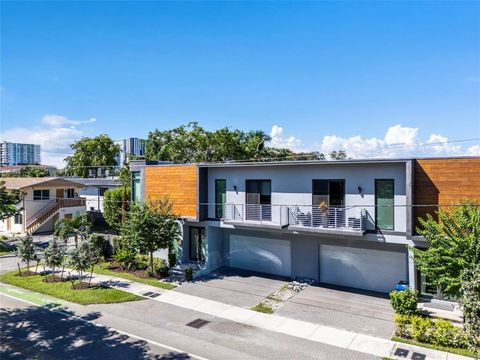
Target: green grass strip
459, 351
103, 269
261, 307
63, 290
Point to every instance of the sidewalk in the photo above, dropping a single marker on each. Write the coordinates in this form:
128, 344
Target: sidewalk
302, 329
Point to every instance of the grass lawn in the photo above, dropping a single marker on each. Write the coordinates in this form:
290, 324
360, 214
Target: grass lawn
103, 269
261, 307
63, 290
459, 351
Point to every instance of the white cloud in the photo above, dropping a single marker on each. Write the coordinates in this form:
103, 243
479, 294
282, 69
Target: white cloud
398, 141
54, 136
58, 120
279, 141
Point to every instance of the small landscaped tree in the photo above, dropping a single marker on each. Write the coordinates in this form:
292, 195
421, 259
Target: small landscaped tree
150, 227
83, 258
454, 246
54, 256
78, 226
27, 251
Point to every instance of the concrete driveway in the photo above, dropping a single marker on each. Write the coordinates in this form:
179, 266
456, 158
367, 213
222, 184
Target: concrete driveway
363, 312
234, 286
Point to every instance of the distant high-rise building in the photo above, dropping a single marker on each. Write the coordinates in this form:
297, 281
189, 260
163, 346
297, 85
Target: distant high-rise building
19, 154
130, 146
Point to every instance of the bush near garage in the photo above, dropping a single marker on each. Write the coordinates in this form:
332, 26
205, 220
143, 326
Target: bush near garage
431, 331
404, 302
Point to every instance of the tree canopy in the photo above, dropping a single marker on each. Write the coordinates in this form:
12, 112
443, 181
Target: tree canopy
454, 246
192, 143
8, 201
90, 155
113, 201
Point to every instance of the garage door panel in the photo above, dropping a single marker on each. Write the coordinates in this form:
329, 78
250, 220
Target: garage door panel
375, 270
260, 254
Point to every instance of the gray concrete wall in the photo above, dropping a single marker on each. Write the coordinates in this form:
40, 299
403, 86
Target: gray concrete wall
292, 185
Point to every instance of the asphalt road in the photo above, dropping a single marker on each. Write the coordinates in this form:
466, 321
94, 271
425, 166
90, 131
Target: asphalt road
145, 329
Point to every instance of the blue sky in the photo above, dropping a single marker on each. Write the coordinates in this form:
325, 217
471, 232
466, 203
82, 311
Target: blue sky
323, 73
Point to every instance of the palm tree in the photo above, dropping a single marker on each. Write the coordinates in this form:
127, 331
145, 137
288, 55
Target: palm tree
76, 226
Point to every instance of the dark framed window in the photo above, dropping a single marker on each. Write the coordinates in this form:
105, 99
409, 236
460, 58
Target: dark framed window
101, 191
384, 203
197, 243
18, 219
41, 194
258, 199
220, 197
330, 192
70, 193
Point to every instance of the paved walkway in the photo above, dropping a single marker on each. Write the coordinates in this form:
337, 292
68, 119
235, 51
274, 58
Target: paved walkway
302, 329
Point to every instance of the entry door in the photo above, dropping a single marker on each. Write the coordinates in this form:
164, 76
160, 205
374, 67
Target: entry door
197, 242
258, 200
59, 194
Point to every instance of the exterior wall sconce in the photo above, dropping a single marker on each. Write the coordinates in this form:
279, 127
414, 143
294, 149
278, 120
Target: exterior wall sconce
235, 188
359, 189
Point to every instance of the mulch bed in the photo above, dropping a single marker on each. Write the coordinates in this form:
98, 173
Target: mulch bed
52, 279
27, 273
84, 285
117, 267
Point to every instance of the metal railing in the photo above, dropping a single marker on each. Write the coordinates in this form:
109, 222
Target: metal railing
308, 216
257, 213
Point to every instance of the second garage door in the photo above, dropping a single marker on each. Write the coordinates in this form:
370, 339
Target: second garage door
261, 254
375, 270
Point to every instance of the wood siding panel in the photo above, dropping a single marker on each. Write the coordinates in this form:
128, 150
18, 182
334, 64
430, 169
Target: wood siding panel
176, 182
443, 182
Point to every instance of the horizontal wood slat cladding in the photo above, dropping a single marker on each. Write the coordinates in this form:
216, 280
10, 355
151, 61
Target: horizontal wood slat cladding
178, 183
445, 182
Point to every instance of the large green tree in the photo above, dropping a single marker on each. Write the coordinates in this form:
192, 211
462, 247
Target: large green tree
9, 199
90, 155
453, 246
150, 227
114, 206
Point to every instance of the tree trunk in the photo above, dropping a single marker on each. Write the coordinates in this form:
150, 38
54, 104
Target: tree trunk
19, 271
63, 269
36, 267
28, 266
76, 240
151, 261
53, 273
91, 274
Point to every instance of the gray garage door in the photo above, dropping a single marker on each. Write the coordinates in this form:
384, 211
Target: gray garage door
260, 254
375, 270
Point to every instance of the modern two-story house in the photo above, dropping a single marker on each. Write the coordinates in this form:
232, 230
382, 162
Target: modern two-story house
344, 223
45, 201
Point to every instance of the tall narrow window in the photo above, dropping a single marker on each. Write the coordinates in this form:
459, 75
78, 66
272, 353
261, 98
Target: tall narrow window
197, 242
259, 200
220, 197
384, 204
136, 186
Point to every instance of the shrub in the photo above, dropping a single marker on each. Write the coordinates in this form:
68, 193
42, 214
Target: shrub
422, 328
127, 258
404, 302
103, 245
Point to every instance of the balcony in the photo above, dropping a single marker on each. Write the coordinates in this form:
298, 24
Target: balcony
275, 216
348, 220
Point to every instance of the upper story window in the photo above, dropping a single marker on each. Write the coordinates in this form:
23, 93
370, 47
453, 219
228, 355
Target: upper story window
101, 191
41, 194
70, 193
328, 192
136, 186
258, 200
220, 197
384, 203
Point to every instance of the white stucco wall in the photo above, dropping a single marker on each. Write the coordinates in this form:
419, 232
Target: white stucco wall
292, 185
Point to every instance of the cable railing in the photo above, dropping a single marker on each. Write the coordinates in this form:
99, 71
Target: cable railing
301, 216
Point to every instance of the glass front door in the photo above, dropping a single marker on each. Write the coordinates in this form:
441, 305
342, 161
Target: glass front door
197, 243
220, 197
259, 200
